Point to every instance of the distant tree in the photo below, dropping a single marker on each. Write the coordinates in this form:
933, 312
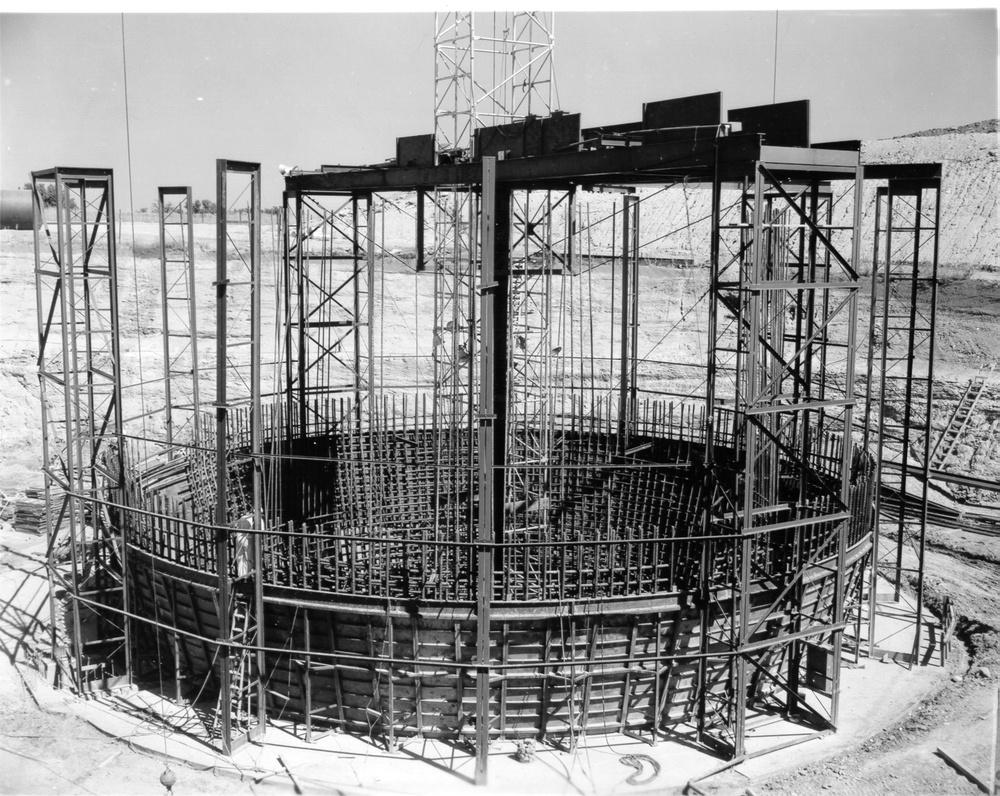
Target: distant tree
154, 207
207, 206
47, 191
274, 211
143, 210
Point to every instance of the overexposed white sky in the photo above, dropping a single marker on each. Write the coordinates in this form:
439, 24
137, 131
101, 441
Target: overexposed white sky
308, 89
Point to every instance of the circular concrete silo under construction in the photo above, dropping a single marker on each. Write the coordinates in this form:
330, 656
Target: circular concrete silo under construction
524, 523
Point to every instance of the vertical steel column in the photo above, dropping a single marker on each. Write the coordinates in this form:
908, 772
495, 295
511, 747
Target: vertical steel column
710, 483
71, 387
623, 378
629, 326
421, 254
935, 192
924, 451
754, 374
301, 302
221, 517
71, 404
846, 462
116, 413
361, 297
876, 330
633, 297
908, 414
288, 214
47, 281
225, 399
256, 447
495, 237
178, 286
366, 378
805, 322
359, 253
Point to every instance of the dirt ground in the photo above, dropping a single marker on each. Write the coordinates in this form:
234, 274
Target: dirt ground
42, 752
46, 752
901, 758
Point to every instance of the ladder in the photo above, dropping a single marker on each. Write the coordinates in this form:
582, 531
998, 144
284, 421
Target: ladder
243, 680
953, 432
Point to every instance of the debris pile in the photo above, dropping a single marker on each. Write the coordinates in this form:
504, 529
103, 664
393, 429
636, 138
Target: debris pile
31, 514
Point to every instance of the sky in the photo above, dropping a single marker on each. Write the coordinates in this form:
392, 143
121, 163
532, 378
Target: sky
310, 89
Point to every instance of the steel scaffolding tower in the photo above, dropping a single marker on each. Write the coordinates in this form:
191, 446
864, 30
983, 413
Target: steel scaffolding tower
79, 368
901, 375
781, 273
327, 303
538, 253
491, 69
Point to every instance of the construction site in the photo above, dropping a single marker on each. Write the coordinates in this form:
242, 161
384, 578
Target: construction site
539, 437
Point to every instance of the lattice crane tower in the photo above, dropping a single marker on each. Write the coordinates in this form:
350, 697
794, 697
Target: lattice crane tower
490, 69
498, 72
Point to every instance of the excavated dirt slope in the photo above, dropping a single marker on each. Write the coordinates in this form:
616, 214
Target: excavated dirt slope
970, 188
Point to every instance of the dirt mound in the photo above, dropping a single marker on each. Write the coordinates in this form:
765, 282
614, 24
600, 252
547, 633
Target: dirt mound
674, 220
985, 126
970, 224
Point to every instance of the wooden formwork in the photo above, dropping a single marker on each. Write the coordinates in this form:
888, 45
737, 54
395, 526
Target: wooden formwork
369, 590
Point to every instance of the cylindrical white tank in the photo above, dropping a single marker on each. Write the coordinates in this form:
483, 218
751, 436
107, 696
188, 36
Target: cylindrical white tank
15, 210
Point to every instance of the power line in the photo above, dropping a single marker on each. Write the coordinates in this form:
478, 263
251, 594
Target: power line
131, 213
774, 85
